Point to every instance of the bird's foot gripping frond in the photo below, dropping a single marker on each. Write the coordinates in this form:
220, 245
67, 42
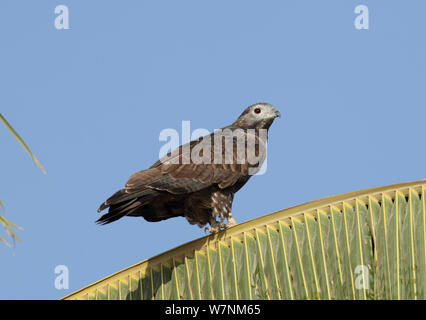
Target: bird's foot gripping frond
231, 222
216, 226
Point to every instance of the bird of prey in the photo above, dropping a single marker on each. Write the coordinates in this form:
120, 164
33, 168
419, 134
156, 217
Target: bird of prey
198, 180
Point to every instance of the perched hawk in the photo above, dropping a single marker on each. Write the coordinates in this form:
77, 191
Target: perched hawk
198, 180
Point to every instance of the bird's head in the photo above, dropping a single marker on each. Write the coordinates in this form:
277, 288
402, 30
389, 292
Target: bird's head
257, 116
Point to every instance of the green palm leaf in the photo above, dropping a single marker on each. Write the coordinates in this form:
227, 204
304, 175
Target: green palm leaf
7, 225
367, 244
23, 144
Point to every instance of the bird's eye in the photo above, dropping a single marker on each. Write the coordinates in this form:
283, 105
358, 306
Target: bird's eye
257, 110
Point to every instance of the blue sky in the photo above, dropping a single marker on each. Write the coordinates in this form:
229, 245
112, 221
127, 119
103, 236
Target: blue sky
91, 102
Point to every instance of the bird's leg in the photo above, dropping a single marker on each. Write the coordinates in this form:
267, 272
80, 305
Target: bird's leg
222, 223
231, 222
214, 226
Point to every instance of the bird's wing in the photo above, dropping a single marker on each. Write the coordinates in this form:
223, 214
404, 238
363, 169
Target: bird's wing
179, 173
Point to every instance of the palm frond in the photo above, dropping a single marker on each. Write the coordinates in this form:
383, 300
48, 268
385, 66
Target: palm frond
7, 225
368, 244
24, 145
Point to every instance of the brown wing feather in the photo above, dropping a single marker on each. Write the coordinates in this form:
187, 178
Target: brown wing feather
145, 189
172, 175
